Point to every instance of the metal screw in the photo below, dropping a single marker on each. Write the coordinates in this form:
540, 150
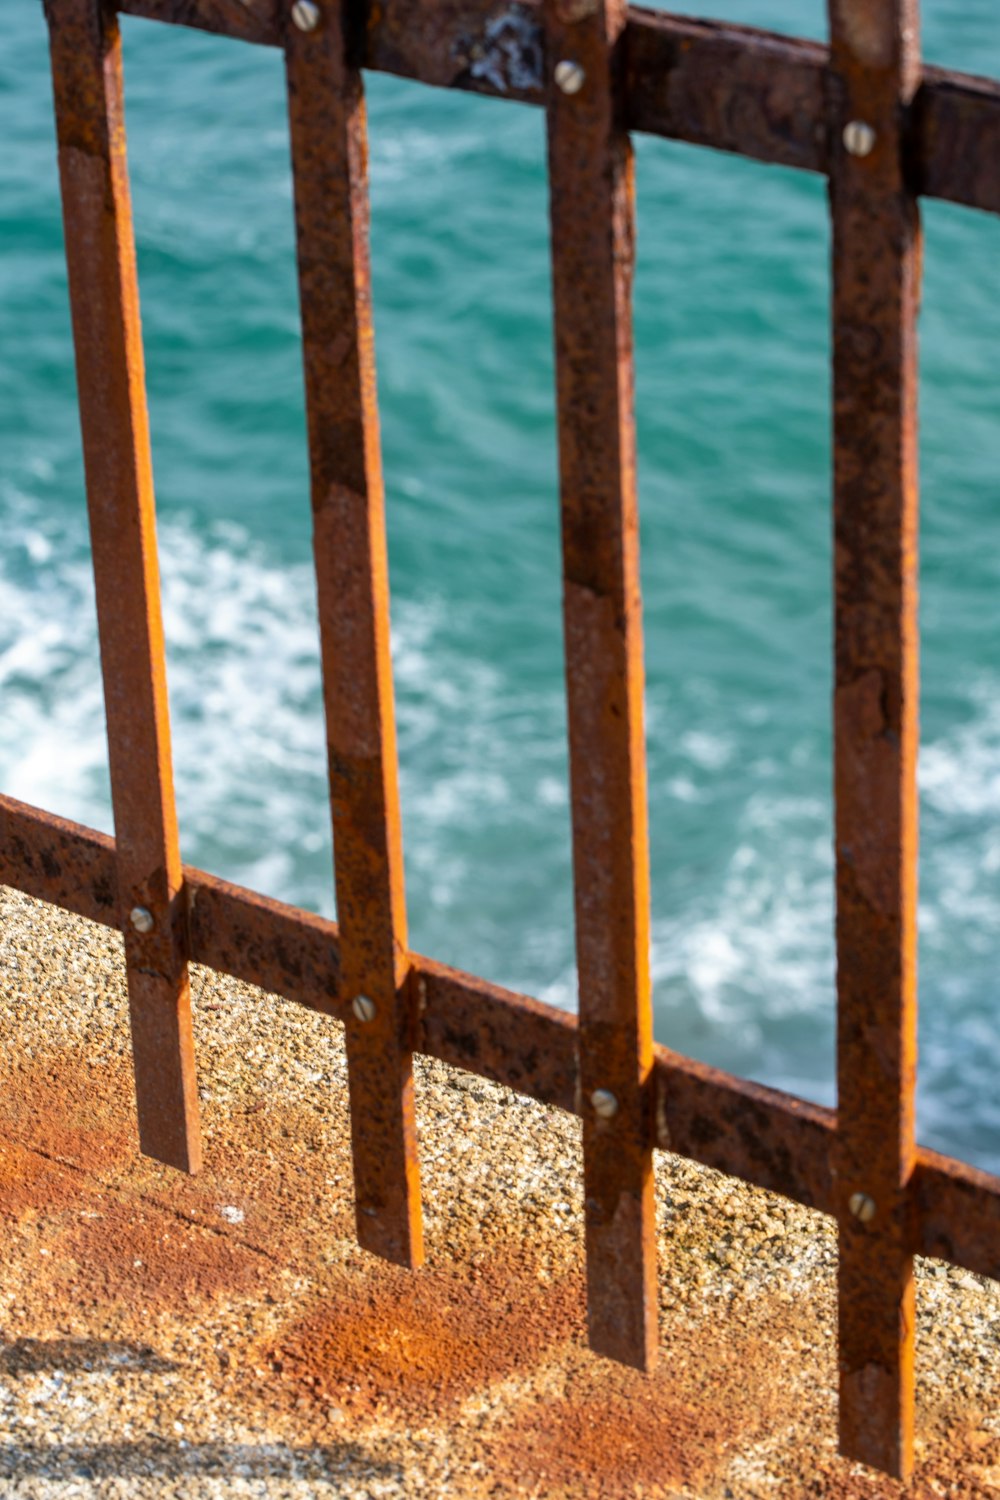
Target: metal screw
859, 138
605, 1104
142, 919
862, 1207
363, 1008
305, 15
569, 76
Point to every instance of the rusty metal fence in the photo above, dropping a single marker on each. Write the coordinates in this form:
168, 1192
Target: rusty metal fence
884, 129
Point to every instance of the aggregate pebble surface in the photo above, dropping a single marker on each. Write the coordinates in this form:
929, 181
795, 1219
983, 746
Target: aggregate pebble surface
223, 1335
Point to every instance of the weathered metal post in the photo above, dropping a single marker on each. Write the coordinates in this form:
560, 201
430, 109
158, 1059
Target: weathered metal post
874, 74
327, 114
100, 253
593, 249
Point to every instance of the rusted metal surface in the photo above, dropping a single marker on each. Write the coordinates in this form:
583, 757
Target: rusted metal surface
58, 861
742, 1128
257, 21
956, 1213
495, 49
329, 169
876, 269
496, 1033
592, 212
884, 131
86, 67
955, 143
767, 1137
280, 948
762, 1135
731, 88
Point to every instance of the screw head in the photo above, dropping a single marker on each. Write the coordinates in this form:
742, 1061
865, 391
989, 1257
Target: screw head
363, 1008
569, 76
142, 919
305, 15
859, 138
605, 1104
862, 1207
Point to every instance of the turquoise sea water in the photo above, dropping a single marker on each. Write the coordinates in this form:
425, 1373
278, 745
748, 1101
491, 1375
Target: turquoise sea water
732, 354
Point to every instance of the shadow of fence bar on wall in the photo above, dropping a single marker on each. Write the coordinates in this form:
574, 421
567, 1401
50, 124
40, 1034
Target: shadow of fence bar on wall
885, 130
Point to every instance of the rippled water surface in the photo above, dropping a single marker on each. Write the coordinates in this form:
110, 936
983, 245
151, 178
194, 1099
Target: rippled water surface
732, 356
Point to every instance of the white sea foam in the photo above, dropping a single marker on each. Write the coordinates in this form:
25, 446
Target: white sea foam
960, 773
742, 952
247, 719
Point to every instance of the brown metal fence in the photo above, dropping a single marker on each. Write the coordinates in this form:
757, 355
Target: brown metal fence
884, 129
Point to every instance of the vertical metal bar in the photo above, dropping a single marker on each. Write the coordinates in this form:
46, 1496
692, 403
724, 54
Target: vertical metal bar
86, 63
592, 213
327, 114
876, 269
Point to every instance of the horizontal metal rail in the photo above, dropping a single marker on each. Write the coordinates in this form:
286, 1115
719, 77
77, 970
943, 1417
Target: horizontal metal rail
762, 1135
733, 88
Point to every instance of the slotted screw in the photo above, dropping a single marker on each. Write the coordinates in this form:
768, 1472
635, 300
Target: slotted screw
859, 138
605, 1104
363, 1008
569, 76
142, 919
862, 1207
305, 15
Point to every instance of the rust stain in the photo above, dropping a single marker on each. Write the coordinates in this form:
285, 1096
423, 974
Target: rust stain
69, 1162
420, 1344
414, 1350
611, 1443
717, 1392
